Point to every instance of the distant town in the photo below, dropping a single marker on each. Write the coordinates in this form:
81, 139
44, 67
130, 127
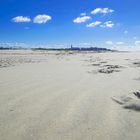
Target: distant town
71, 48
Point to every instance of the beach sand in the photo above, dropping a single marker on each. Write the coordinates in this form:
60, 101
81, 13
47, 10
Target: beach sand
48, 95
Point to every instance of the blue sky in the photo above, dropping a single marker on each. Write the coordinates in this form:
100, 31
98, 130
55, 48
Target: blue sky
57, 23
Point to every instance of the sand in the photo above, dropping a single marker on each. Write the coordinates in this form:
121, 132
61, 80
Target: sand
69, 95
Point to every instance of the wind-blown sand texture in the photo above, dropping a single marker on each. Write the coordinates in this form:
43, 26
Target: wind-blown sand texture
69, 95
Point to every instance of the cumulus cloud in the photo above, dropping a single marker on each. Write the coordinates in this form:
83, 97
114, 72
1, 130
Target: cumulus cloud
20, 19
84, 18
107, 24
102, 11
40, 19
93, 24
137, 43
120, 43
109, 42
81, 19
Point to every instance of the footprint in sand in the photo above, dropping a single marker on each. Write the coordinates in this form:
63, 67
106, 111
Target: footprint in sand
138, 79
136, 64
131, 102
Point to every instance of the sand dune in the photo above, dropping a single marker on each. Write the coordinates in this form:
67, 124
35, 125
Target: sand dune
69, 96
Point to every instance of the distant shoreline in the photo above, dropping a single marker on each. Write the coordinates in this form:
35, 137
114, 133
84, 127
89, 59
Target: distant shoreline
60, 49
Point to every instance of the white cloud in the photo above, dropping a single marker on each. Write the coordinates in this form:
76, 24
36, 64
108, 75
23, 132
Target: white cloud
125, 32
120, 43
81, 19
19, 19
109, 42
40, 19
83, 14
102, 11
93, 24
12, 44
137, 43
108, 24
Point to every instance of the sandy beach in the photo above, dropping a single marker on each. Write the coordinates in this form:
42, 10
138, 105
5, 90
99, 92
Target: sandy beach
56, 95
